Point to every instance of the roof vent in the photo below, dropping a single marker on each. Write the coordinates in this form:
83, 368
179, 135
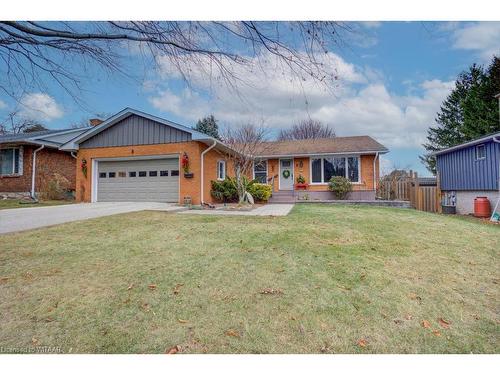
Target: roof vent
95, 121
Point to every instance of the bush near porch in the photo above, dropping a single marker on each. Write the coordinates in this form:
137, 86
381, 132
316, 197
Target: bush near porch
225, 191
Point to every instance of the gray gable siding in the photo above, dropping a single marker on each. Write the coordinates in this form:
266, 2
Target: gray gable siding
136, 130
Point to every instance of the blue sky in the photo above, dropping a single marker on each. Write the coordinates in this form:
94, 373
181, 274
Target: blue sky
392, 78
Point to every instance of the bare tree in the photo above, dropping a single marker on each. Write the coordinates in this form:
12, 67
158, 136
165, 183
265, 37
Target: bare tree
306, 129
35, 53
15, 124
247, 142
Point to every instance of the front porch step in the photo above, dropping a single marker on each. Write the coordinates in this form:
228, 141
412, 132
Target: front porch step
283, 193
283, 196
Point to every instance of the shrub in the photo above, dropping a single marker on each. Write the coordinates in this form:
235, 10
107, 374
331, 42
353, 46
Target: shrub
260, 192
224, 191
340, 186
301, 179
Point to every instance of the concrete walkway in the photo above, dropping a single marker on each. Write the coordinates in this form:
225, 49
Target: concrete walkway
266, 210
18, 219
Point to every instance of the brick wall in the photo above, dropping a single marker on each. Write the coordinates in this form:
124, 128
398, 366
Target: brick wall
192, 187
187, 186
49, 161
302, 167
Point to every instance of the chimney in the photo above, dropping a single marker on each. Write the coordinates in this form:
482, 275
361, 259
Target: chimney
95, 121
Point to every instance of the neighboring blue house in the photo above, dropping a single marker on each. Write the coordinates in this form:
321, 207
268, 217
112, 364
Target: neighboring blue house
470, 170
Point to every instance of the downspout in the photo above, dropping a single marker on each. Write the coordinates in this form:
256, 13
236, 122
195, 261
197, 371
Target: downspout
73, 154
33, 172
202, 170
374, 172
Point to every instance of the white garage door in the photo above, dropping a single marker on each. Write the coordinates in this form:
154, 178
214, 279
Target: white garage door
138, 180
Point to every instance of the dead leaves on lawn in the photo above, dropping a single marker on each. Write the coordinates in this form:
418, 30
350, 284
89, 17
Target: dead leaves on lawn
152, 286
232, 333
271, 291
173, 350
425, 324
177, 288
362, 343
443, 323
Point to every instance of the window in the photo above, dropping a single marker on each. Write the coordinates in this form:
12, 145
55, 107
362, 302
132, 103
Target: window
480, 152
111, 174
102, 174
174, 172
260, 171
221, 170
142, 173
153, 173
9, 161
323, 169
132, 174
316, 170
163, 173
122, 174
353, 169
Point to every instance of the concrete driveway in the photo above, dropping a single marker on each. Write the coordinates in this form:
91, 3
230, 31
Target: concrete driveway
18, 219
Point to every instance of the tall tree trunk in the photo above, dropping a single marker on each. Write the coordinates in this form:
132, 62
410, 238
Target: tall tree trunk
240, 185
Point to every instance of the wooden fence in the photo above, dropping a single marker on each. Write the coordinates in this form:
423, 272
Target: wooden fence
398, 190
407, 188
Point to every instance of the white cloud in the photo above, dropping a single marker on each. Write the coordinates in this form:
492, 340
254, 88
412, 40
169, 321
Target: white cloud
40, 106
371, 24
187, 104
2, 104
482, 37
360, 103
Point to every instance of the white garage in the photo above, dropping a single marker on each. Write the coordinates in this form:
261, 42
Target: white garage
137, 180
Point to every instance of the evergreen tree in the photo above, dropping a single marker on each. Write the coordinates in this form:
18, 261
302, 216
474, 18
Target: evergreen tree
470, 111
208, 125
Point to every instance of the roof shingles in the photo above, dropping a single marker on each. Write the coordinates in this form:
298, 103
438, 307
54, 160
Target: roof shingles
337, 145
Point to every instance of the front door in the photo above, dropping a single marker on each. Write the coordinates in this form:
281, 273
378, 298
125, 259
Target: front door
286, 174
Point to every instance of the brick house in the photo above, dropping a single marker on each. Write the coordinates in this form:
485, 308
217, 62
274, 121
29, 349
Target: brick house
17, 153
134, 156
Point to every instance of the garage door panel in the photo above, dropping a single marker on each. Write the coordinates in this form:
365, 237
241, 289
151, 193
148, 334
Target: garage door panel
125, 187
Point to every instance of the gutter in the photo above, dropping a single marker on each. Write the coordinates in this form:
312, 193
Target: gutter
466, 144
73, 154
374, 174
202, 170
33, 171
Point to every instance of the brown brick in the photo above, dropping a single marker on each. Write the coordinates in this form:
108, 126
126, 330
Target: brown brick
48, 162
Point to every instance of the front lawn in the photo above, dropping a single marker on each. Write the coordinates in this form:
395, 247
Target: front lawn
17, 203
325, 279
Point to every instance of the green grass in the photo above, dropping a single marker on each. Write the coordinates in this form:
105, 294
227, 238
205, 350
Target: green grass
17, 203
346, 273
